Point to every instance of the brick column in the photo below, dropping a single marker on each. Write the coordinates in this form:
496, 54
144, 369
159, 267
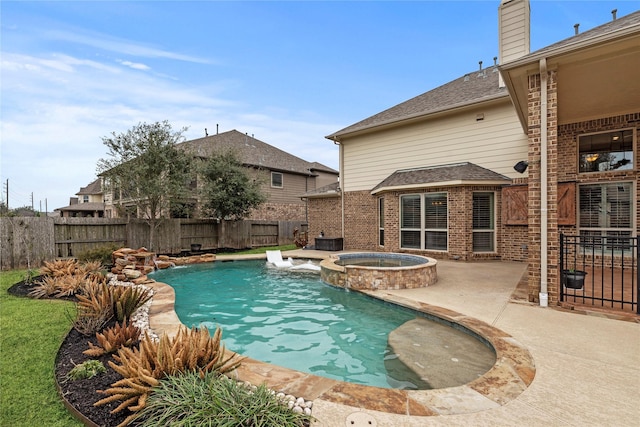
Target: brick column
534, 156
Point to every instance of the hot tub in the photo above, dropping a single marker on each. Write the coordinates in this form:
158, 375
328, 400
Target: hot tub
379, 270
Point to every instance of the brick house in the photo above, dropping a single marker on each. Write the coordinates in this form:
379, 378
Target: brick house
284, 176
497, 163
88, 203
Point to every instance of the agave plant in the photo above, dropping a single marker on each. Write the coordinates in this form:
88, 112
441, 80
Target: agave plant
112, 339
191, 350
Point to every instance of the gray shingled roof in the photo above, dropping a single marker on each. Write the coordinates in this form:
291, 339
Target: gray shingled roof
455, 173
331, 190
473, 87
252, 152
94, 188
83, 207
610, 28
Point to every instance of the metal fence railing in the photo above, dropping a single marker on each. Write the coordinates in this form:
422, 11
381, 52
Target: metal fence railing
600, 271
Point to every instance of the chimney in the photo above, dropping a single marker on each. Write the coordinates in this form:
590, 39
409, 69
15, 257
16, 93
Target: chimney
613, 14
514, 23
576, 27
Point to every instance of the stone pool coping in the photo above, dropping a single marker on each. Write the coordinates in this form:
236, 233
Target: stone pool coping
512, 373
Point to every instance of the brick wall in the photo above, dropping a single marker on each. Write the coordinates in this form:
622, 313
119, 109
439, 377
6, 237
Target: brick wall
325, 215
279, 212
361, 224
360, 221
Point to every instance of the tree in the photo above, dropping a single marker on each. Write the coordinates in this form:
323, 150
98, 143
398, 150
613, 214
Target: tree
227, 190
147, 171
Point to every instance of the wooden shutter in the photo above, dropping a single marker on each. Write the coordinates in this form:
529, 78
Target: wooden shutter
515, 205
567, 203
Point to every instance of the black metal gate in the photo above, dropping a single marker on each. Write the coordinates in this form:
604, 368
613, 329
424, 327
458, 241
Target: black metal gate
600, 271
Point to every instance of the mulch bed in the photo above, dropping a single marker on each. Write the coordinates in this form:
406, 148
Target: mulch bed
81, 394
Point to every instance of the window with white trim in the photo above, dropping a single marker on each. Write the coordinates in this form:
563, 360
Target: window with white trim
606, 151
276, 179
484, 222
381, 221
606, 213
424, 221
435, 221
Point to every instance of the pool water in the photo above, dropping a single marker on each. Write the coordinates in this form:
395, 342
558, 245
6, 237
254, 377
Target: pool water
292, 319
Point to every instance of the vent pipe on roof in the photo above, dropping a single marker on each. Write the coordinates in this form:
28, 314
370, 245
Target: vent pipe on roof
577, 28
217, 128
480, 63
613, 14
205, 132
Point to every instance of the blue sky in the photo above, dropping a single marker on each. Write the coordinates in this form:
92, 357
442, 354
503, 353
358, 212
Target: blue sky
287, 72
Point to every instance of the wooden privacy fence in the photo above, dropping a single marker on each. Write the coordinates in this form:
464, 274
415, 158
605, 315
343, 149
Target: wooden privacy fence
27, 241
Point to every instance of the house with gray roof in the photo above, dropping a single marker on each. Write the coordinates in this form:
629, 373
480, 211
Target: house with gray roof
88, 203
498, 163
284, 177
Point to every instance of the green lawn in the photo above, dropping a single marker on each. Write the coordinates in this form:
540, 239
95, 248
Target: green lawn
31, 332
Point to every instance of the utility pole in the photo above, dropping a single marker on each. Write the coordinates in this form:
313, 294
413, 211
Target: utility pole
7, 188
32, 206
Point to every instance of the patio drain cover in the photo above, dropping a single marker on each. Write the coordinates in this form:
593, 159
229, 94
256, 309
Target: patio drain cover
360, 419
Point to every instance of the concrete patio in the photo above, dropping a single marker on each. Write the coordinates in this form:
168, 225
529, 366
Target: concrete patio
587, 366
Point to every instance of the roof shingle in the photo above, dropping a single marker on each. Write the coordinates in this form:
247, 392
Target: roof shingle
252, 152
457, 173
473, 87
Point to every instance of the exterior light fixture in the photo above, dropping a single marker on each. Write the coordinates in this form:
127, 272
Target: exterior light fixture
521, 166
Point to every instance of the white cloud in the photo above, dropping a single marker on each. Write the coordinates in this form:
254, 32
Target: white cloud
134, 65
56, 108
118, 45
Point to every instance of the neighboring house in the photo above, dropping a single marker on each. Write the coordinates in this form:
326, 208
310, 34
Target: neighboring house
89, 203
436, 174
284, 176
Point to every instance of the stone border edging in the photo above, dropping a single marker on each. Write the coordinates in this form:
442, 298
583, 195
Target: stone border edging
512, 373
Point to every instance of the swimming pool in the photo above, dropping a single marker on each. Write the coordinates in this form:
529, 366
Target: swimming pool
294, 320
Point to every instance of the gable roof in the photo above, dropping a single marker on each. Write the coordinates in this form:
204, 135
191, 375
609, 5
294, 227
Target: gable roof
610, 30
94, 188
330, 190
599, 71
252, 152
472, 88
464, 173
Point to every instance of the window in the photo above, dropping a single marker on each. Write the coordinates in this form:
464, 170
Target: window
607, 151
381, 221
276, 179
435, 221
424, 216
605, 213
410, 222
85, 198
484, 222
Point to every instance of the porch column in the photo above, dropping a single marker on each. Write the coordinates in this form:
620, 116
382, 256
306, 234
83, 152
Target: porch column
535, 109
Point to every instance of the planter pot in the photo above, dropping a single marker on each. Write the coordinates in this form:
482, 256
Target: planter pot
195, 247
573, 279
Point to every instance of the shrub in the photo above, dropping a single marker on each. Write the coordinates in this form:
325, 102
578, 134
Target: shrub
113, 339
60, 267
128, 299
102, 302
191, 350
103, 254
45, 288
95, 308
88, 369
215, 400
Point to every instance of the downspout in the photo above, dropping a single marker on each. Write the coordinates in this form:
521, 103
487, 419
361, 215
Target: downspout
340, 183
543, 296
